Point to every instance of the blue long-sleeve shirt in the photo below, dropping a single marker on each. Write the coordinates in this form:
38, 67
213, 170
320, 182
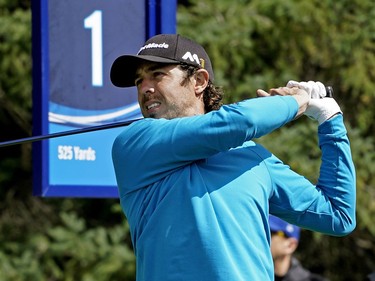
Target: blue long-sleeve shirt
197, 191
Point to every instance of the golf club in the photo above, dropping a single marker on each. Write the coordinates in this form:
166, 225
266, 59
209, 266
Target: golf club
329, 91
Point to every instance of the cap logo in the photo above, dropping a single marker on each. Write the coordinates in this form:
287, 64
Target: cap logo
290, 228
154, 46
191, 57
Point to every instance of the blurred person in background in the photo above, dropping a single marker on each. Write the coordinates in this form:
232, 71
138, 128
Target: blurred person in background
284, 243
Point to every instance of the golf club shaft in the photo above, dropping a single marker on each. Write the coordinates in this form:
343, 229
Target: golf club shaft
68, 133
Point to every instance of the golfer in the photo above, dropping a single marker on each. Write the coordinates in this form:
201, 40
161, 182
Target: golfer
197, 190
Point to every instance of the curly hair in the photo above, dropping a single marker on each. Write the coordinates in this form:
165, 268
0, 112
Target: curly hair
212, 95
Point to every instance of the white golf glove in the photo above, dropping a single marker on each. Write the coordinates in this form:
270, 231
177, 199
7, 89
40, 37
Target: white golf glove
316, 90
320, 108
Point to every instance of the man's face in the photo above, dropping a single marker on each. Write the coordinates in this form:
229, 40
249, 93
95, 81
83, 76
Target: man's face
281, 245
278, 243
161, 93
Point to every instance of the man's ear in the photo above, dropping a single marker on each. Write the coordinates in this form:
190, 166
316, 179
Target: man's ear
201, 81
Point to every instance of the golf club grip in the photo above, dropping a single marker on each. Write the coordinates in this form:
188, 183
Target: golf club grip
329, 91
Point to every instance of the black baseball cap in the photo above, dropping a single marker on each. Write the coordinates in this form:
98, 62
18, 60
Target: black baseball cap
162, 48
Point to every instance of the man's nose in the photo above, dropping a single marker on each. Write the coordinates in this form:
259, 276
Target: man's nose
146, 86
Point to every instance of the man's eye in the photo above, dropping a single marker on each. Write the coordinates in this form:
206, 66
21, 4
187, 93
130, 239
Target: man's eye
137, 82
158, 73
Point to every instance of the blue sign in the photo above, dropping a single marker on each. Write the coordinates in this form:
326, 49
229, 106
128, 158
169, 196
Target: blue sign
74, 45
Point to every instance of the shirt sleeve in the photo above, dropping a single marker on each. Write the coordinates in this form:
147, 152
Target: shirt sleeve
329, 206
149, 149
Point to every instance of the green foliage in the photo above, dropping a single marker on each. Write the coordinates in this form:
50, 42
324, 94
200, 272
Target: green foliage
15, 88
15, 64
69, 252
253, 44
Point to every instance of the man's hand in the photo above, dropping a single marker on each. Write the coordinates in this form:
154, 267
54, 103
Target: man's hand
301, 96
316, 90
320, 108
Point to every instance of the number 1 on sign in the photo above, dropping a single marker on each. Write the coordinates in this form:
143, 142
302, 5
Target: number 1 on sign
94, 22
